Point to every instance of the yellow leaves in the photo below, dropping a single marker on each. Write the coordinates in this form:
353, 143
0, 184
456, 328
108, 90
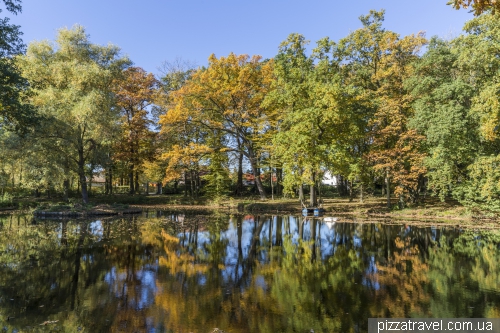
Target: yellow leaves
395, 148
478, 6
233, 86
178, 261
406, 272
220, 104
186, 155
487, 106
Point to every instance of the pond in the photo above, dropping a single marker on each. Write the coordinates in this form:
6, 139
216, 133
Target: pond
171, 272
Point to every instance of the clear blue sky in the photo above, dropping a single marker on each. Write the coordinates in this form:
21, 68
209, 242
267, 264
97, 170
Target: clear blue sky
152, 31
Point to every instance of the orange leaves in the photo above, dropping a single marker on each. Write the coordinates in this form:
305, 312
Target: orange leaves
231, 90
221, 103
407, 275
134, 92
396, 149
136, 88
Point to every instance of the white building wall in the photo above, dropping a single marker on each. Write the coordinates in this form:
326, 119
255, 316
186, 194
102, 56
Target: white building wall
329, 179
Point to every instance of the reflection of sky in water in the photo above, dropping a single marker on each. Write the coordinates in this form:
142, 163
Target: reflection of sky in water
356, 241
372, 244
143, 282
326, 239
306, 233
433, 233
261, 282
264, 233
294, 229
88, 258
96, 229
368, 278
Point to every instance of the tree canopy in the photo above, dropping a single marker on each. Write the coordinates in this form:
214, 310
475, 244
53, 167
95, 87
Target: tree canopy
70, 87
477, 6
13, 112
384, 114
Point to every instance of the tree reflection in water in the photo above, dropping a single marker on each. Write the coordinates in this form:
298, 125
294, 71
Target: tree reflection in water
176, 273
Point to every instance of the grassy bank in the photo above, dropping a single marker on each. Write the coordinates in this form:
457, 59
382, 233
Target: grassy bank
373, 207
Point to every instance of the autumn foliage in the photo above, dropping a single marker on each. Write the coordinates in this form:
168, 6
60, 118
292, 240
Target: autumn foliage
383, 114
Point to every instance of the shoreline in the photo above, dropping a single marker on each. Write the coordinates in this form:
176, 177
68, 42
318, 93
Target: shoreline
429, 212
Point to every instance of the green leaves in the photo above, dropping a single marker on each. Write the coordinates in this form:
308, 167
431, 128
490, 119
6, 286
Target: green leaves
309, 97
70, 84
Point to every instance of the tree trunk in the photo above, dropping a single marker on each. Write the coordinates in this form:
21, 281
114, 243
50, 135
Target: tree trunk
192, 183
260, 187
136, 180
65, 190
81, 175
77, 263
198, 183
341, 186
106, 182
90, 185
301, 193
131, 179
253, 162
279, 230
313, 201
388, 189
351, 193
313, 239
110, 180
159, 189
279, 180
239, 233
319, 187
239, 183
66, 181
185, 184
272, 186
361, 193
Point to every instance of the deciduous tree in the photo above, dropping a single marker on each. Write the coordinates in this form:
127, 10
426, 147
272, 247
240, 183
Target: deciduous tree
442, 102
381, 60
70, 86
13, 112
135, 92
225, 98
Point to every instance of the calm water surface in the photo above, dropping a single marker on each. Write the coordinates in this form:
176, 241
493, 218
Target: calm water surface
164, 272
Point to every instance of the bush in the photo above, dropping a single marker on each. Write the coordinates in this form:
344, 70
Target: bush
6, 198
